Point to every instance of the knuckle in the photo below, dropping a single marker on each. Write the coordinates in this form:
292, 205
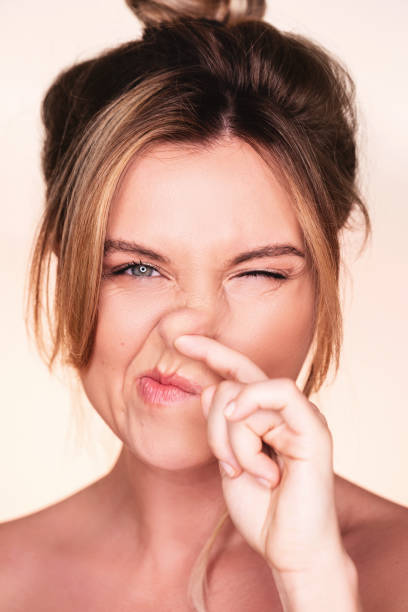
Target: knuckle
314, 408
319, 414
324, 420
288, 386
228, 387
329, 436
246, 393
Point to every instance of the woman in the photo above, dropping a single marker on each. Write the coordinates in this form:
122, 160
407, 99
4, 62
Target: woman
197, 183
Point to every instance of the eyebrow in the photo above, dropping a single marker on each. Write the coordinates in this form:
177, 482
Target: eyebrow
269, 250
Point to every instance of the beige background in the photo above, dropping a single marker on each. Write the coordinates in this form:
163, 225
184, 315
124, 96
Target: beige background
42, 458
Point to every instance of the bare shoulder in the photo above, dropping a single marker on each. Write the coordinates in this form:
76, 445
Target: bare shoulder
30, 545
378, 545
13, 563
24, 544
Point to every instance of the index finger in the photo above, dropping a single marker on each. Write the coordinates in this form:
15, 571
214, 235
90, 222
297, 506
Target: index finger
229, 363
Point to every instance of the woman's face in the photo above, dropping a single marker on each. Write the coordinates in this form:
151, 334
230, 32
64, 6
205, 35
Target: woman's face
197, 211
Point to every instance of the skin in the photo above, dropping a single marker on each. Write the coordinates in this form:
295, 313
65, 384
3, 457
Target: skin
166, 450
135, 533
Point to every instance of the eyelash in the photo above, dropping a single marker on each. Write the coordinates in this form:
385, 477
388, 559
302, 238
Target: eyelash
253, 273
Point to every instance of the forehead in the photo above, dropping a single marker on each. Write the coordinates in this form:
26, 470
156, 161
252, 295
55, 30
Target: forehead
226, 192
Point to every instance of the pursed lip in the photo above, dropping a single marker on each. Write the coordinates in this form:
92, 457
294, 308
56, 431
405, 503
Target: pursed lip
174, 379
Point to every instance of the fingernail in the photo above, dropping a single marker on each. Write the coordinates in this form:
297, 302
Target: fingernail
229, 409
184, 342
227, 468
264, 482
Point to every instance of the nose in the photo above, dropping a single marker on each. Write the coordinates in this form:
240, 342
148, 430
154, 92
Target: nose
188, 320
203, 312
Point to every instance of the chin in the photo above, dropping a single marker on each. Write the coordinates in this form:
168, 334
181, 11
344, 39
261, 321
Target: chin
184, 458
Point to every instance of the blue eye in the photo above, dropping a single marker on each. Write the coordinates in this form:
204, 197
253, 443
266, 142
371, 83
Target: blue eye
143, 270
138, 270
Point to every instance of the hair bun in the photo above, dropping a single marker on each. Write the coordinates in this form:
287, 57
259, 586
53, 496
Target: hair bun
154, 12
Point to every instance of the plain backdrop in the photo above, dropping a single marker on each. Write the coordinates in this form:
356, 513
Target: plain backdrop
44, 456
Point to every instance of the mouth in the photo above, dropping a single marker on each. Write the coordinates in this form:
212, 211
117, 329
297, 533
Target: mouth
173, 380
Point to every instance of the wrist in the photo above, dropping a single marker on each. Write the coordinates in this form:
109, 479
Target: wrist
328, 584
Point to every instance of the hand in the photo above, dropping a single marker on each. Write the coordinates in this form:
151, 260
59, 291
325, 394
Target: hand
292, 522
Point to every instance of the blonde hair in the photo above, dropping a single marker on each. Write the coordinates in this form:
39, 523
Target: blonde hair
200, 74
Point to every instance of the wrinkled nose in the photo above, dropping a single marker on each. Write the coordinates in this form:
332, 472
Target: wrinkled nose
202, 310
187, 320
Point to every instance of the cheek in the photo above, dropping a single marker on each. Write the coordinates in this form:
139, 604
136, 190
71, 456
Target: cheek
274, 331
277, 333
120, 332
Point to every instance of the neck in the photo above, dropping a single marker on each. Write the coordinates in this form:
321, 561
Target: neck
168, 514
